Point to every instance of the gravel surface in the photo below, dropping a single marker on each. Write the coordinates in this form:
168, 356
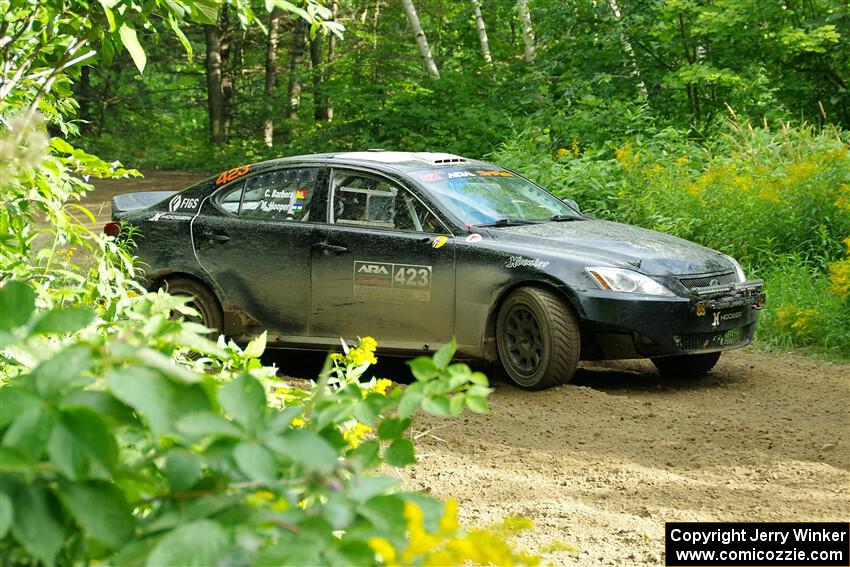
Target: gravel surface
602, 463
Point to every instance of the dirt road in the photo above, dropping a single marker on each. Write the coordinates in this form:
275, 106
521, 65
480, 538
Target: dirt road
602, 463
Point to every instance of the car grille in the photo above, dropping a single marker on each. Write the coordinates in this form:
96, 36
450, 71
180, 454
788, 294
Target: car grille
706, 280
701, 341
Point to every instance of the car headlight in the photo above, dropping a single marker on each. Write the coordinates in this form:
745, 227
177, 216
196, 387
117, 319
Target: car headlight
739, 271
630, 281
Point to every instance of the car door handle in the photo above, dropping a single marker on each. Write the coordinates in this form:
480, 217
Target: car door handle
217, 236
333, 248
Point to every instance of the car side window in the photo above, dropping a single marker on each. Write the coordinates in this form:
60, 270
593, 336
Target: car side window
363, 200
283, 194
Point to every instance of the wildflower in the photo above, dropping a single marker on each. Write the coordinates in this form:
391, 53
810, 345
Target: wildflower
575, 147
381, 386
384, 549
354, 435
562, 152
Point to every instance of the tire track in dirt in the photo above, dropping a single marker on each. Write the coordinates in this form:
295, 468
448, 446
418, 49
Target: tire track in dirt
602, 463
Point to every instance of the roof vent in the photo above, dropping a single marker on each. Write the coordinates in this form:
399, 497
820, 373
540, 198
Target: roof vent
440, 159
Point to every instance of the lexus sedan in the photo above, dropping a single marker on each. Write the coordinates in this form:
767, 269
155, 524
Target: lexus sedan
417, 248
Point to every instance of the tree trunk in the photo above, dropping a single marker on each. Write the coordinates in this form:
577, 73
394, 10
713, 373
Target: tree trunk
627, 48
329, 103
215, 102
527, 30
231, 48
482, 32
271, 76
295, 62
319, 104
421, 40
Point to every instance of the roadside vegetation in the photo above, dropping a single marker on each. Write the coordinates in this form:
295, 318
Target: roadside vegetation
721, 122
127, 435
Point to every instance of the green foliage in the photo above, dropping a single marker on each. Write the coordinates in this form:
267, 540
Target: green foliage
109, 447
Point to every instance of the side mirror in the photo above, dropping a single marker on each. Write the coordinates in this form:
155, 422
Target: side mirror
571, 204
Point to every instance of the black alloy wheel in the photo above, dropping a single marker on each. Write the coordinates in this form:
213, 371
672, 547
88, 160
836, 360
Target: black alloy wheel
538, 338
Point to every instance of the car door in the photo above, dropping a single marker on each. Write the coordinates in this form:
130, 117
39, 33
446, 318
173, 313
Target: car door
253, 237
383, 266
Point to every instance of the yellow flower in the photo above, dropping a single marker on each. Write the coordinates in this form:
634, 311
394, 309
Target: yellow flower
298, 422
381, 386
575, 146
383, 548
448, 522
562, 152
354, 435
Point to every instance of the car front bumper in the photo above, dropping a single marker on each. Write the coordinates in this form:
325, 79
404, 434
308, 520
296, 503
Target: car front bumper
627, 325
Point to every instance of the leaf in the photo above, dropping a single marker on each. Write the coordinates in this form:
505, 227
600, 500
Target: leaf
198, 544
423, 368
365, 487
151, 395
438, 405
110, 17
400, 453
63, 371
477, 404
392, 428
29, 433
131, 42
15, 400
410, 400
17, 302
256, 347
305, 448
81, 445
101, 511
61, 145
203, 423
443, 357
204, 11
175, 27
7, 515
36, 526
183, 469
244, 399
255, 461
456, 404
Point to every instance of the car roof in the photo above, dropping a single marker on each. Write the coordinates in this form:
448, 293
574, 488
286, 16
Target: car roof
385, 160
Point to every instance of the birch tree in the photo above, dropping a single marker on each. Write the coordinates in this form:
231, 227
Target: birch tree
527, 30
482, 32
271, 75
627, 48
421, 40
299, 36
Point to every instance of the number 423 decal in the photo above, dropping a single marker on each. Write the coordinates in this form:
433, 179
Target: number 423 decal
231, 174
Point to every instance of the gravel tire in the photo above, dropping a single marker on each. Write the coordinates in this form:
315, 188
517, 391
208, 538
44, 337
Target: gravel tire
538, 339
686, 366
203, 301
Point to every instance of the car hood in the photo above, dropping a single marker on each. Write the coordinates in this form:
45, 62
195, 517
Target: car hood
618, 244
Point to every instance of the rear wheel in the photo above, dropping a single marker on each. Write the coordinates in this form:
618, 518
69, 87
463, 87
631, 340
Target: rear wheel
686, 365
538, 338
202, 300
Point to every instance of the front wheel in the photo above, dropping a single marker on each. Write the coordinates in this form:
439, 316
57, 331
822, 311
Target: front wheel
202, 300
686, 365
538, 338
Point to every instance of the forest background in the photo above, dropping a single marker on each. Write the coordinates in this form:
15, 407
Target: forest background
720, 121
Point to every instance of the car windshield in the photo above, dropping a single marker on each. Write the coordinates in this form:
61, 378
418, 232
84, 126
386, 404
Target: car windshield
492, 196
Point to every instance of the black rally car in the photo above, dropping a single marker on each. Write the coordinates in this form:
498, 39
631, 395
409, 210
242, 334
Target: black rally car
417, 248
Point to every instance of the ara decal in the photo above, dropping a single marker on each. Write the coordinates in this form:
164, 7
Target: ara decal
231, 174
439, 241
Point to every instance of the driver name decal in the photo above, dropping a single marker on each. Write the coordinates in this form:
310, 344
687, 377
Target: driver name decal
392, 281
